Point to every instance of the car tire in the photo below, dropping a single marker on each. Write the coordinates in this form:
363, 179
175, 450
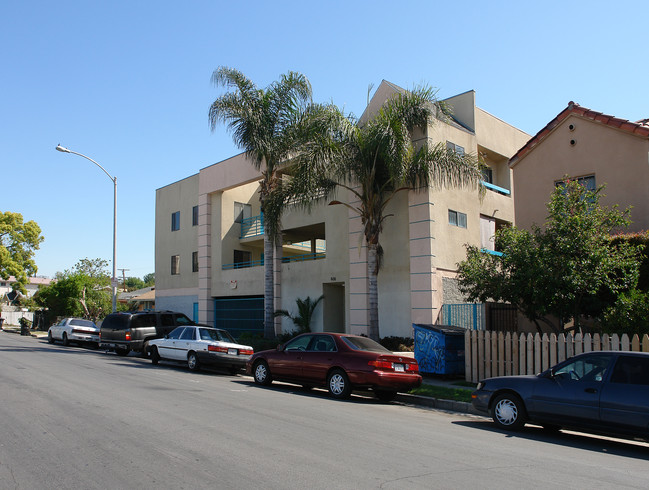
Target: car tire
122, 351
50, 339
155, 357
66, 342
385, 395
338, 384
508, 412
261, 373
192, 362
145, 350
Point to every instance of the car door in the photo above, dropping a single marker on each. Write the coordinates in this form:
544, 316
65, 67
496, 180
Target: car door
185, 343
288, 362
571, 392
625, 397
57, 329
318, 358
167, 346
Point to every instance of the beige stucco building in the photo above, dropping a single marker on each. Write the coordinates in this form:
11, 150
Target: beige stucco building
209, 244
590, 146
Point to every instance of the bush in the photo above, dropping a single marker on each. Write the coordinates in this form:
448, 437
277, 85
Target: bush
398, 344
629, 314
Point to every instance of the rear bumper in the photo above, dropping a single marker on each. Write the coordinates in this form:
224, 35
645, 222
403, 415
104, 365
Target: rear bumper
386, 380
80, 337
223, 360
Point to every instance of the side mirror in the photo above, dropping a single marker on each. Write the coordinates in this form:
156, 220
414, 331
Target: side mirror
280, 347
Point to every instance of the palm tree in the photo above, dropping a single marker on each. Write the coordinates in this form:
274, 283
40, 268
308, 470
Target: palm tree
374, 161
261, 122
305, 309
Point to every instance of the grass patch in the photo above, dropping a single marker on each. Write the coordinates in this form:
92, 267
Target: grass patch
443, 392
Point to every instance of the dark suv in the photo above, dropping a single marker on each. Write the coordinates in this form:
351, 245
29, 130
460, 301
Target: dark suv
126, 332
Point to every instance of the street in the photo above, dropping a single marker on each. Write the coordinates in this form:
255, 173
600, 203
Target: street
78, 418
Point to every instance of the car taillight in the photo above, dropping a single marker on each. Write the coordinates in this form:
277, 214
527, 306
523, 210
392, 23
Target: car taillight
246, 352
127, 335
412, 367
381, 365
99, 335
217, 348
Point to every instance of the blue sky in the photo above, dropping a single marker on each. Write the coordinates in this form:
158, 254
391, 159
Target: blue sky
127, 83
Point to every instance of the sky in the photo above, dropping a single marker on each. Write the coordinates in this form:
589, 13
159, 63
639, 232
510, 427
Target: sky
127, 83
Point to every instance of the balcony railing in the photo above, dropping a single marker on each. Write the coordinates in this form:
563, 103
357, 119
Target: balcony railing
495, 188
491, 252
285, 260
243, 265
251, 227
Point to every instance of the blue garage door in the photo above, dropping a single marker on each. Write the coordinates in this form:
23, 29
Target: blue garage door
240, 315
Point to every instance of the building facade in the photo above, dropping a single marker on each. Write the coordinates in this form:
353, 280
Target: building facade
209, 239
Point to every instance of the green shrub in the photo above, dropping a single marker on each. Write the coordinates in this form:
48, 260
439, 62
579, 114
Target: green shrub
398, 344
629, 314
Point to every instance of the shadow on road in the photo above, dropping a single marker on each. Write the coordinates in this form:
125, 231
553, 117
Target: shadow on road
578, 440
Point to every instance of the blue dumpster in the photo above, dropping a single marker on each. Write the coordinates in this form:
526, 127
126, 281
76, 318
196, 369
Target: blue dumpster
439, 349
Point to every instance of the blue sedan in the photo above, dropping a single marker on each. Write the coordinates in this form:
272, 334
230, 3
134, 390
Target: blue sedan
604, 392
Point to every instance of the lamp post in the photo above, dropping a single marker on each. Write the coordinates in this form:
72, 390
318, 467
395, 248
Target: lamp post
113, 280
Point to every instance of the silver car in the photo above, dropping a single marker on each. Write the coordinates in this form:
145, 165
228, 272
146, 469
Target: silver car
75, 330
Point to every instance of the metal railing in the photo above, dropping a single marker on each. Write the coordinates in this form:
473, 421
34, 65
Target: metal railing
303, 258
253, 226
495, 188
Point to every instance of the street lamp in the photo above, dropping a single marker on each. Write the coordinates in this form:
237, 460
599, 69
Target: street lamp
113, 280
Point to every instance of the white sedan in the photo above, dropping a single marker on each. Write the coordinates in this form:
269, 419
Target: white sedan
198, 346
74, 330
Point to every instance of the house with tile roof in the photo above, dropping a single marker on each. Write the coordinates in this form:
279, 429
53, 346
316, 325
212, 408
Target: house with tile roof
590, 146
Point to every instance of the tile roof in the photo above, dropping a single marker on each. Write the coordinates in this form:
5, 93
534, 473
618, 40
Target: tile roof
640, 128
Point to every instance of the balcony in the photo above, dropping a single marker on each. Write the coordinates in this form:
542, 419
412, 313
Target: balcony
252, 227
495, 188
285, 260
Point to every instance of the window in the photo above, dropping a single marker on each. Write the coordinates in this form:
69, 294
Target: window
188, 334
242, 257
456, 218
175, 265
585, 368
242, 211
631, 370
587, 181
456, 148
299, 343
175, 333
488, 175
195, 216
175, 221
194, 261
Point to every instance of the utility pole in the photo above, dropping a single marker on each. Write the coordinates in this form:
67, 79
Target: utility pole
124, 277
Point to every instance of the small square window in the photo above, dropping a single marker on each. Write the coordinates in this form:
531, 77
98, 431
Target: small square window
456, 148
195, 216
175, 221
175, 265
242, 211
194, 261
456, 218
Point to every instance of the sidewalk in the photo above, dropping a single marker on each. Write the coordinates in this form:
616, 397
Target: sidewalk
16, 329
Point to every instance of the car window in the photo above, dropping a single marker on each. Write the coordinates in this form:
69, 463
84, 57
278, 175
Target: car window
632, 370
167, 320
323, 343
175, 333
585, 368
299, 343
363, 343
188, 334
182, 319
143, 321
213, 334
116, 322
81, 323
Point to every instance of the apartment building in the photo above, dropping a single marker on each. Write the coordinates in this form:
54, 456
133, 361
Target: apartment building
209, 239
595, 148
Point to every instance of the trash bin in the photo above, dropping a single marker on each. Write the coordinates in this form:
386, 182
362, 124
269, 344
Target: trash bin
439, 349
2, 320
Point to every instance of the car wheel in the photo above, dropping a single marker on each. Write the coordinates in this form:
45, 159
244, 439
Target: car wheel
262, 374
508, 412
338, 384
122, 351
192, 362
145, 350
385, 395
50, 339
155, 357
66, 342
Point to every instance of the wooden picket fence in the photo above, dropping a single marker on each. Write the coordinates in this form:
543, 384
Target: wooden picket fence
489, 354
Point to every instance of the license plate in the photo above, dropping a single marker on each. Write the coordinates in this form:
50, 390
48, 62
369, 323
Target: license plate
232, 352
399, 368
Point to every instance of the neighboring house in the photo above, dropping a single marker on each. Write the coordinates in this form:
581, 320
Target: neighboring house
8, 296
589, 146
209, 239
142, 299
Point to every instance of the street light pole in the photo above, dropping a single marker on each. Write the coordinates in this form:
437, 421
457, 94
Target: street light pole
113, 280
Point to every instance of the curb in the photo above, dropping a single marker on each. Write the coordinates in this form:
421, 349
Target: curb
426, 401
17, 331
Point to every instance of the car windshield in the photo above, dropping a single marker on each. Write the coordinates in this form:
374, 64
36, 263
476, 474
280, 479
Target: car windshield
215, 335
182, 320
363, 343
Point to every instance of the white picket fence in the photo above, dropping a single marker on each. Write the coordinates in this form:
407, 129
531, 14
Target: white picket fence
13, 317
489, 354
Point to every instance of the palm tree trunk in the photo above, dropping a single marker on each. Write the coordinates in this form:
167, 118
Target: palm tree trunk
269, 285
373, 290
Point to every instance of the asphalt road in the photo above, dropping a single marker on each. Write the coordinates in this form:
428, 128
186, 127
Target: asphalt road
77, 418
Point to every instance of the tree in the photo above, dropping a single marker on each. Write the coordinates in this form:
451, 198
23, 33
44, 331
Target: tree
261, 122
149, 279
81, 292
305, 309
134, 283
18, 243
374, 161
563, 270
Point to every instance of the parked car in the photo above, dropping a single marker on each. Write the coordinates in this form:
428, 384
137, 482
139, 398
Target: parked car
599, 392
75, 330
125, 332
339, 362
198, 346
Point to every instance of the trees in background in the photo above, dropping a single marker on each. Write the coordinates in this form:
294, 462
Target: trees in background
18, 242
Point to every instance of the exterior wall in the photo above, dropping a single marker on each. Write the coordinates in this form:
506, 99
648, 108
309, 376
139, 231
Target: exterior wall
616, 158
182, 302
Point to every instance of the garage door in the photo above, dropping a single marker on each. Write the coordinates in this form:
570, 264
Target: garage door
240, 315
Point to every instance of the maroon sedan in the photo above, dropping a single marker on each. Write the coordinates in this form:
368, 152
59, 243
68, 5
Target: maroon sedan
341, 362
